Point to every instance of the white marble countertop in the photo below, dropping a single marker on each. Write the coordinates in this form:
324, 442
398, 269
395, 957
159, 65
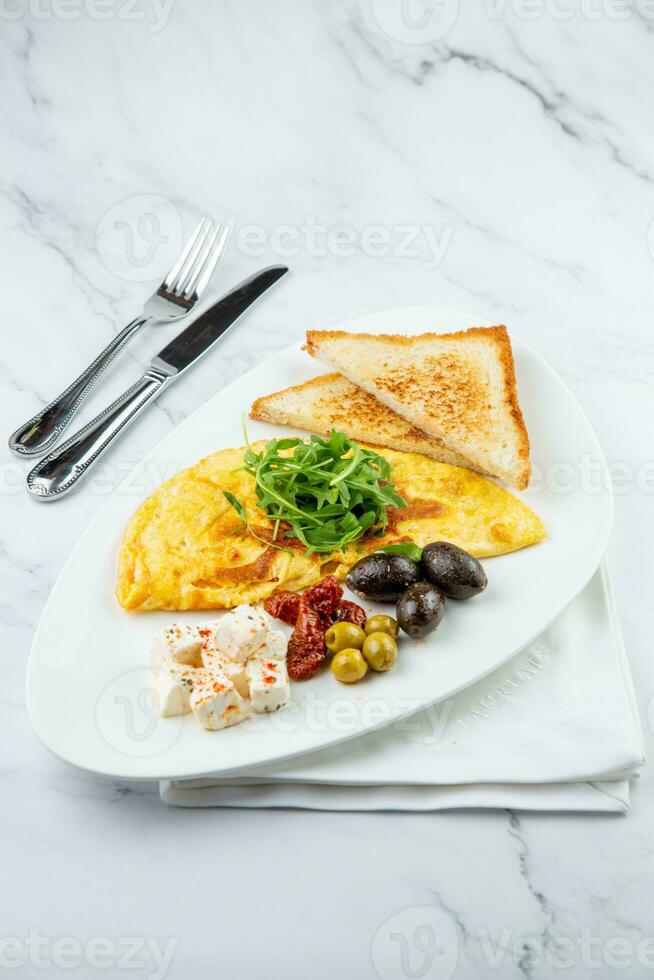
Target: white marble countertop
504, 165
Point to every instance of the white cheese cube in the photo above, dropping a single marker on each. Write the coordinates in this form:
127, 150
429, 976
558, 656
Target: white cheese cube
237, 674
216, 703
273, 647
241, 632
216, 663
270, 689
173, 684
179, 642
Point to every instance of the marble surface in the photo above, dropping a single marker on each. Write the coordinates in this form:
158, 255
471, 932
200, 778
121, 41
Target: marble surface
497, 159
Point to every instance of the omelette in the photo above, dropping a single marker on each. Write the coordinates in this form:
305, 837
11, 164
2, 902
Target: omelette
187, 548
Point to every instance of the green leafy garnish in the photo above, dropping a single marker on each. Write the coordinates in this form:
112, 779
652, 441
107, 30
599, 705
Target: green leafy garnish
236, 504
329, 491
407, 548
238, 507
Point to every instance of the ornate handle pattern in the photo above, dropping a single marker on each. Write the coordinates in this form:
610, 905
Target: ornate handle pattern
42, 431
62, 470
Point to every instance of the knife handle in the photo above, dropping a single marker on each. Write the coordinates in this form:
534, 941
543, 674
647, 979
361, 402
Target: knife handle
61, 471
41, 432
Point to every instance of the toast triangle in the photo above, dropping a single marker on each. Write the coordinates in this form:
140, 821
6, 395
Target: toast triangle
332, 402
459, 388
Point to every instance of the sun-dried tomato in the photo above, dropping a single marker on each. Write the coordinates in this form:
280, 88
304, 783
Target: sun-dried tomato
283, 605
306, 647
311, 612
324, 597
349, 612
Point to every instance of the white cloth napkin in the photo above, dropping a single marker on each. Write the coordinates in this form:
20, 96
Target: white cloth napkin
554, 729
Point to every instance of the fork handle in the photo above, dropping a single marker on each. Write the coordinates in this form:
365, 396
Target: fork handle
62, 470
42, 431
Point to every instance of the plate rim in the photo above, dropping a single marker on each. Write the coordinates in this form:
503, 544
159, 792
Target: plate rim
358, 322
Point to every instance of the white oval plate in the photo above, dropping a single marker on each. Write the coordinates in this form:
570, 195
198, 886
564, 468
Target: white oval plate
89, 692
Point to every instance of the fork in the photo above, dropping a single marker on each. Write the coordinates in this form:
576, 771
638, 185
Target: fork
175, 297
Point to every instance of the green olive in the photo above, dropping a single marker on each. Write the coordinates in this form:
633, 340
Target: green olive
348, 666
382, 624
343, 636
380, 651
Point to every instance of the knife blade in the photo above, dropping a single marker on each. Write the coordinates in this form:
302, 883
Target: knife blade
200, 336
61, 471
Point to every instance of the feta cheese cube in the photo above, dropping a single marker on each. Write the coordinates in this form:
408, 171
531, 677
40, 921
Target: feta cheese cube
222, 670
173, 685
273, 647
216, 663
241, 632
180, 642
269, 685
216, 703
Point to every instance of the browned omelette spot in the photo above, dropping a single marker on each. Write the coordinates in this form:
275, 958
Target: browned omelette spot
416, 510
253, 571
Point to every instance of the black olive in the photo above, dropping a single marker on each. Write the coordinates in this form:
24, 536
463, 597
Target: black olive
382, 577
453, 570
420, 609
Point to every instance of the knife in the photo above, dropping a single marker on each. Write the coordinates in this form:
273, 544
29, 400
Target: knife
62, 470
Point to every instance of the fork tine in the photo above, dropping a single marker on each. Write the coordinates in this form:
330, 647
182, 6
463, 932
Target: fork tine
192, 272
174, 272
187, 258
205, 267
208, 270
177, 286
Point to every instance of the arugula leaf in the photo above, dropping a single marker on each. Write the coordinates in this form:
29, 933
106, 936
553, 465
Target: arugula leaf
407, 548
329, 491
236, 504
238, 507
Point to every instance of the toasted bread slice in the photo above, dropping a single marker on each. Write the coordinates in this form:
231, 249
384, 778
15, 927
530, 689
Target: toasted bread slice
457, 387
332, 402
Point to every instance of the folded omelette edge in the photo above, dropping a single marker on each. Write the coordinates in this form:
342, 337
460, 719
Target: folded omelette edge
186, 548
